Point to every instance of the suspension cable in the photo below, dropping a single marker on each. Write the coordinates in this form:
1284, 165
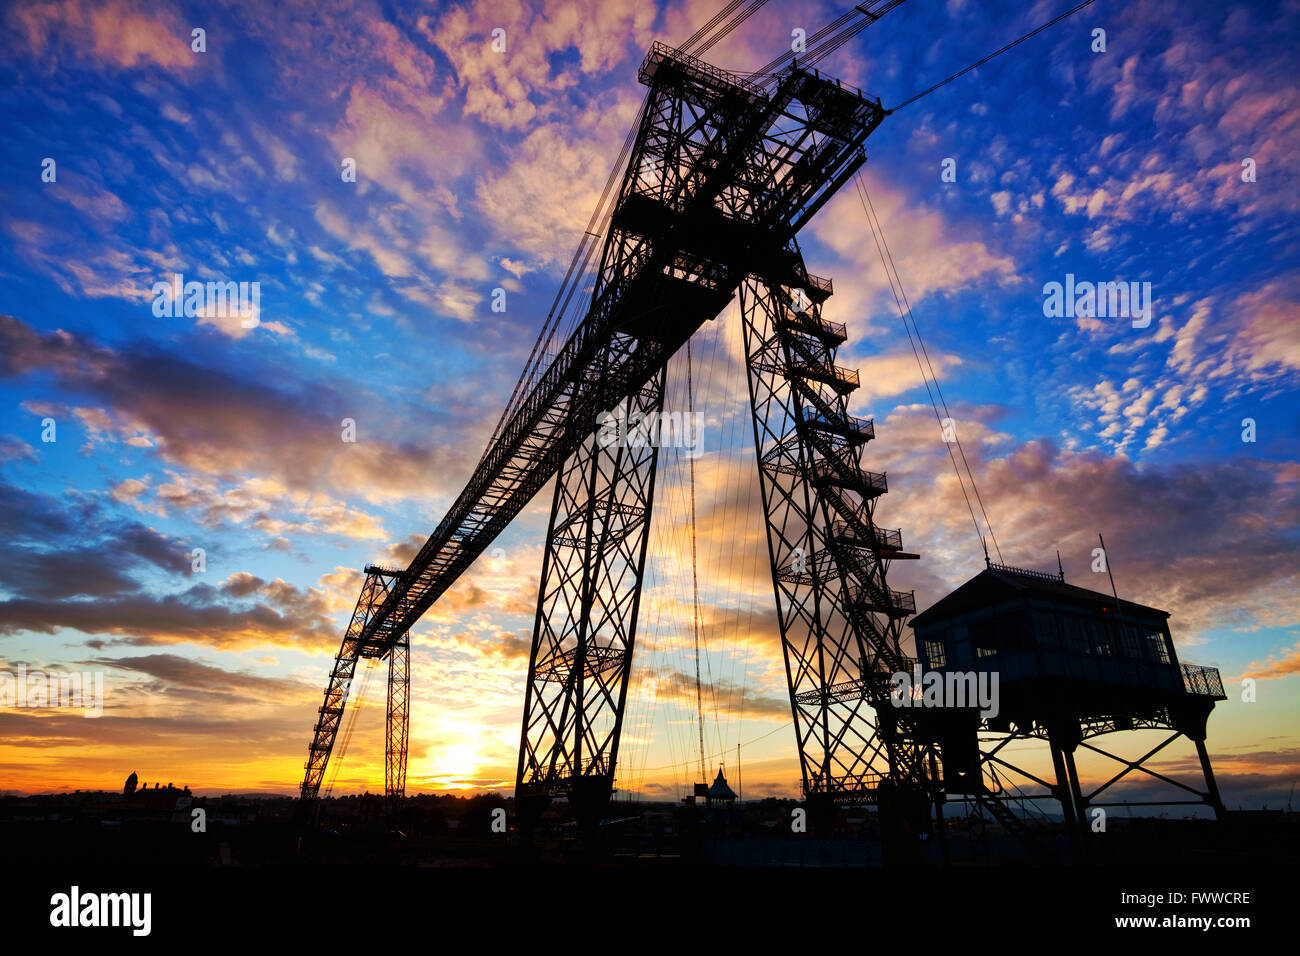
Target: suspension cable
935, 378
695, 578
827, 40
564, 295
904, 311
736, 21
712, 22
978, 63
721, 753
342, 749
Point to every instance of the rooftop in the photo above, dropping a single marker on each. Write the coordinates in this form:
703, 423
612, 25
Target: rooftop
997, 583
720, 790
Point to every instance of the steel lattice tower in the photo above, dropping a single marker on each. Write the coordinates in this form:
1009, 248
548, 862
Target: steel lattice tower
840, 622
398, 727
722, 175
586, 616
374, 589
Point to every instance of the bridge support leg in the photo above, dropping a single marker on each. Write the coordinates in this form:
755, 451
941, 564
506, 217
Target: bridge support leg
1211, 785
399, 720
373, 591
528, 814
839, 631
1076, 794
590, 593
1062, 789
939, 798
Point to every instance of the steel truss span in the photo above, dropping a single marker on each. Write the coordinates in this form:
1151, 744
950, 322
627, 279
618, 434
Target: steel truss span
720, 179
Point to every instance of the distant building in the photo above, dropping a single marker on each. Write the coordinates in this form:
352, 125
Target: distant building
131, 783
720, 795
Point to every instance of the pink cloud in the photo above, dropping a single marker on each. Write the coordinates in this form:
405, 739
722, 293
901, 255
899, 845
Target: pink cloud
118, 33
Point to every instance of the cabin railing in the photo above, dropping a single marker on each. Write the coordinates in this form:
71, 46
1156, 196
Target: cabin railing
1202, 680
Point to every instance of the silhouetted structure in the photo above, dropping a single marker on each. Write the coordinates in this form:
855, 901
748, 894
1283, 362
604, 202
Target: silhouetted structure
131, 783
1071, 665
720, 795
376, 588
722, 172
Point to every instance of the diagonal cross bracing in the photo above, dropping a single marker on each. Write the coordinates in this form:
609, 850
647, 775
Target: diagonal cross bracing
722, 176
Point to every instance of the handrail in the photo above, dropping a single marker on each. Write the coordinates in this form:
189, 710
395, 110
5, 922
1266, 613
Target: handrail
814, 324
1027, 572
1202, 680
890, 539
660, 52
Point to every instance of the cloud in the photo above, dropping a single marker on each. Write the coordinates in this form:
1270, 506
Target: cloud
932, 254
1207, 541
549, 47
884, 376
543, 199
261, 503
288, 617
217, 424
55, 549
91, 200
735, 701
1275, 667
118, 33
174, 673
70, 563
13, 448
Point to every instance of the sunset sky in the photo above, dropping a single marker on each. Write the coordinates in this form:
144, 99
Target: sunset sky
478, 170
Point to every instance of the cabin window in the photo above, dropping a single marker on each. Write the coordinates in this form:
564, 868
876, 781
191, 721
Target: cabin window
1076, 642
1156, 644
1130, 645
1098, 638
1045, 628
1013, 631
984, 637
934, 652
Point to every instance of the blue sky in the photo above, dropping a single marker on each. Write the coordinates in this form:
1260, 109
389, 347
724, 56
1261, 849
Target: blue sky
478, 170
